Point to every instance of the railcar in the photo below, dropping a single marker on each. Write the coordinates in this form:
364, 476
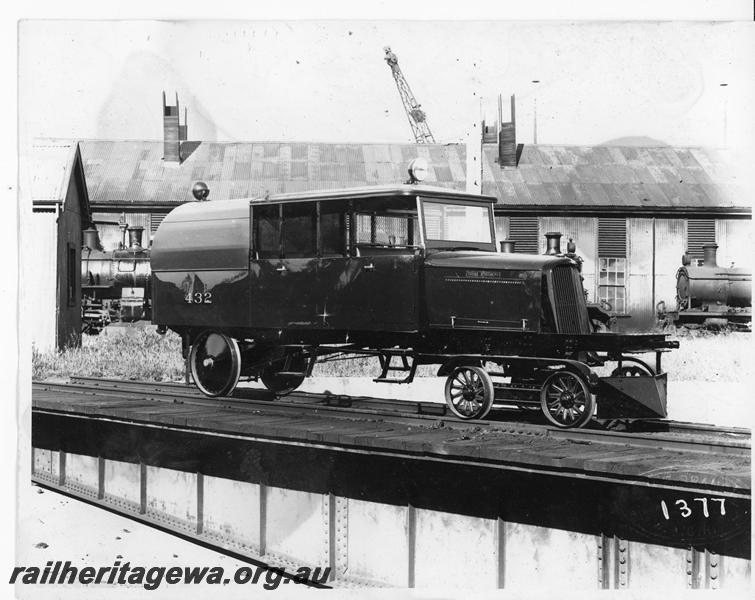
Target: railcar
709, 295
262, 289
114, 285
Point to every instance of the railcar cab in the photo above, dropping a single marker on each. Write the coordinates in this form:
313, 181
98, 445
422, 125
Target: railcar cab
351, 260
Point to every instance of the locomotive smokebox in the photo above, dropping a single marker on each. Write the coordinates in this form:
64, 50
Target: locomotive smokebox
507, 246
135, 237
553, 239
91, 238
709, 255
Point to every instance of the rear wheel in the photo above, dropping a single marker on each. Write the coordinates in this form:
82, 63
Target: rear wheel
215, 363
566, 400
280, 384
469, 392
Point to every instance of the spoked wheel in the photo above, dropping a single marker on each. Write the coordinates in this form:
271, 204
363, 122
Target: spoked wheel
215, 363
469, 392
566, 400
281, 384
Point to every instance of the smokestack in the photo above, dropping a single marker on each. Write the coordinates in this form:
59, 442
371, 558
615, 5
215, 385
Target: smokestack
135, 237
553, 242
507, 137
489, 132
172, 134
91, 238
507, 246
709, 255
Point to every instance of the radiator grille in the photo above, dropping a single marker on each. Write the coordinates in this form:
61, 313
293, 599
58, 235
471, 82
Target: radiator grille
571, 315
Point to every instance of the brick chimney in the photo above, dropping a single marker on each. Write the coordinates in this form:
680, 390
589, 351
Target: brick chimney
507, 136
173, 132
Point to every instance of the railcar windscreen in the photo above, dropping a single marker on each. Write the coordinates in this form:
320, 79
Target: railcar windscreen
457, 222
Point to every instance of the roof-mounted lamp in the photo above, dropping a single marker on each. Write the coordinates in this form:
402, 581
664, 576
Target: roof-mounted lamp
418, 170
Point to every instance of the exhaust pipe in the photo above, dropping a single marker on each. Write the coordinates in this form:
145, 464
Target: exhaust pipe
135, 237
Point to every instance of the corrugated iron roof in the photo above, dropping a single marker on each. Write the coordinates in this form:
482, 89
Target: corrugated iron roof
616, 176
48, 169
133, 172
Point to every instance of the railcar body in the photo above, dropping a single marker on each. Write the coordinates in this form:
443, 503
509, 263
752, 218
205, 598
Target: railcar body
713, 296
116, 283
410, 274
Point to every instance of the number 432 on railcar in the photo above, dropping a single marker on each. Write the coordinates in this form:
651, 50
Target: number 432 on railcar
263, 289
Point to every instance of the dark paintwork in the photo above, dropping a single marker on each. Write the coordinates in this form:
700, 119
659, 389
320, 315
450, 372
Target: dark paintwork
437, 301
715, 289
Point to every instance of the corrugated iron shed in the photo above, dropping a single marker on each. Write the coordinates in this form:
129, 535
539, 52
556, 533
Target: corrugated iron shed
47, 171
605, 178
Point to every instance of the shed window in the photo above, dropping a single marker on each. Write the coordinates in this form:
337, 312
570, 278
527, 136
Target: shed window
523, 231
699, 233
612, 283
71, 279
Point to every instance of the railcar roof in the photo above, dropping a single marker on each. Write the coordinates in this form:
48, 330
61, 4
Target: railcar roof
378, 191
239, 208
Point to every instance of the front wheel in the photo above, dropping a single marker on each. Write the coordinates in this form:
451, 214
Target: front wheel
215, 363
469, 392
566, 400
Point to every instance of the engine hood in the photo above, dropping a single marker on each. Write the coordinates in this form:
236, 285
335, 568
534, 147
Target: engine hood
494, 260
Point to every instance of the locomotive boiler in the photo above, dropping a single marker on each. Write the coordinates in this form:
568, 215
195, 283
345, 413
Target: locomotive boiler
710, 295
114, 284
263, 289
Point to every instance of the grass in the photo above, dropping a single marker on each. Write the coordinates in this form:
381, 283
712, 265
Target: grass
144, 355
141, 354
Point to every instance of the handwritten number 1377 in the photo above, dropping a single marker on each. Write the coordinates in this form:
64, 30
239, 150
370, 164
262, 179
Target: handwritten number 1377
686, 511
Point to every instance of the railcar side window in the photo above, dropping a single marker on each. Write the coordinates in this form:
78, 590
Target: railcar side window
267, 231
299, 230
391, 222
332, 229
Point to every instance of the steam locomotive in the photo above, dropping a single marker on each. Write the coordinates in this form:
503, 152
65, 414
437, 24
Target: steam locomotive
263, 289
711, 296
114, 285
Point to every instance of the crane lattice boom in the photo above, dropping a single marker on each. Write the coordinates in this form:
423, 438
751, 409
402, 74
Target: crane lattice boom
414, 113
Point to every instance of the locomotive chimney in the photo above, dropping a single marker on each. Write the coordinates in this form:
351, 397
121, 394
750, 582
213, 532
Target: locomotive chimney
507, 246
135, 237
709, 255
553, 239
507, 137
91, 238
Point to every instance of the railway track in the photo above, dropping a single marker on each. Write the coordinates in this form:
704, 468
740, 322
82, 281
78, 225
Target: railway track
668, 435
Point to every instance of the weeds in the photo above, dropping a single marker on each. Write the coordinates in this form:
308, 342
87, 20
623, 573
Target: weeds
142, 354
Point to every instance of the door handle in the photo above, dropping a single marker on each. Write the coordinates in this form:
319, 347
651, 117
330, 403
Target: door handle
369, 267
281, 269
